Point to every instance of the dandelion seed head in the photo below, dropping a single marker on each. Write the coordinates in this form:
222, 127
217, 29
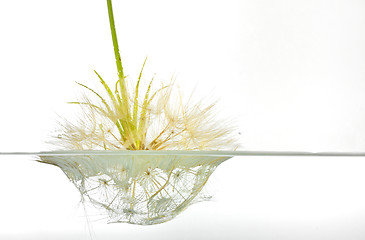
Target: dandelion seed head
144, 189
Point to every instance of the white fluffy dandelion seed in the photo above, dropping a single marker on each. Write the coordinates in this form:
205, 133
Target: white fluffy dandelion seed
140, 189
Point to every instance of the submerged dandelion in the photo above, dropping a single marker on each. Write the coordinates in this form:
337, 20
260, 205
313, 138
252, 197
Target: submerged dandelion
140, 189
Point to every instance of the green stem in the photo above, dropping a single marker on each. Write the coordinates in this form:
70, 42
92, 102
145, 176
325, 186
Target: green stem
122, 84
115, 40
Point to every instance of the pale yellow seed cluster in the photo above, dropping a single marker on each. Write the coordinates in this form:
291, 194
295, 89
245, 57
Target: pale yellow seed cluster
165, 122
141, 189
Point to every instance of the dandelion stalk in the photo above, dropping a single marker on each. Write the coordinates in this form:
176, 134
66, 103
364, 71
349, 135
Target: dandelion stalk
123, 97
118, 59
115, 40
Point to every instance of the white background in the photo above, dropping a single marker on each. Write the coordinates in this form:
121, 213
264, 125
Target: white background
291, 73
